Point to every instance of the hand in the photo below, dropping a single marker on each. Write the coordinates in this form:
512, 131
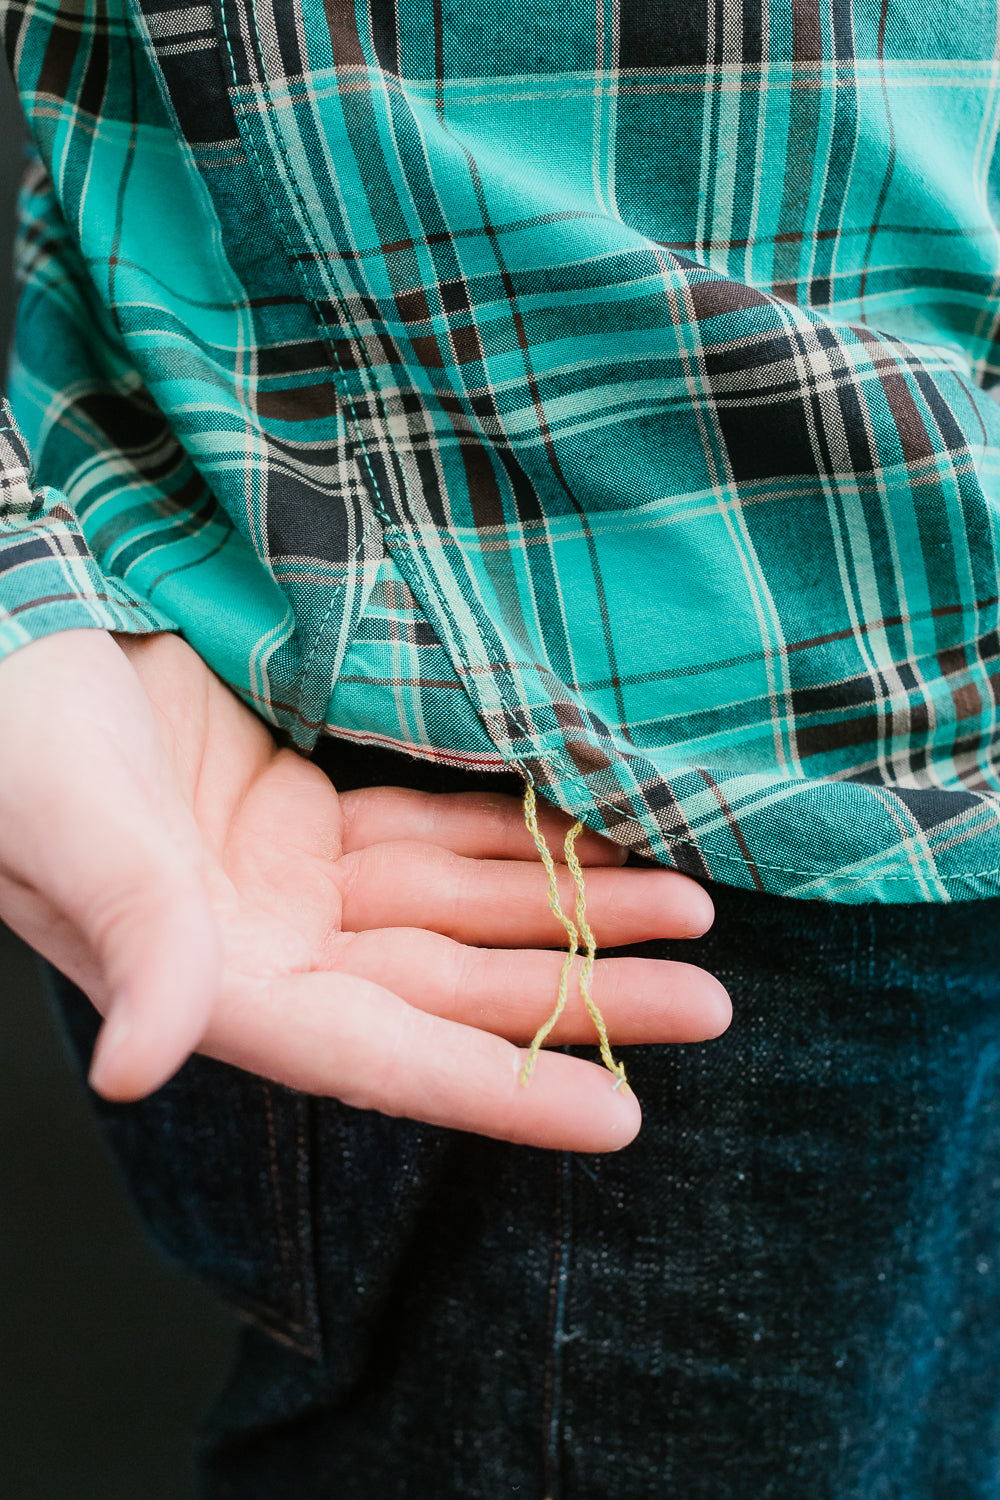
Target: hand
209, 891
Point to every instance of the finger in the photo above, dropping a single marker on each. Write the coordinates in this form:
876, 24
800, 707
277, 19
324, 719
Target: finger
511, 992
333, 1034
480, 825
505, 903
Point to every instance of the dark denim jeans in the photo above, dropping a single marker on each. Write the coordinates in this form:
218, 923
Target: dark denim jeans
789, 1286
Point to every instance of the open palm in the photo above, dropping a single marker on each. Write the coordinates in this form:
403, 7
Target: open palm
391, 948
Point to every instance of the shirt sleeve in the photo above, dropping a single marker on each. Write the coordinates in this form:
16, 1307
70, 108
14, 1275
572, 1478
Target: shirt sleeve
49, 578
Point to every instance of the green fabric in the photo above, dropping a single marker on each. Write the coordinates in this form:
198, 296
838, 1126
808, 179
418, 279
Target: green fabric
540, 384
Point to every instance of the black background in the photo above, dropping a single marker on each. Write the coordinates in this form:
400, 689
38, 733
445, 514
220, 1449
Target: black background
107, 1355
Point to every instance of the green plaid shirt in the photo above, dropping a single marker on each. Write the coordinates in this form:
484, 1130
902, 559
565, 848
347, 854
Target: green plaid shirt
592, 388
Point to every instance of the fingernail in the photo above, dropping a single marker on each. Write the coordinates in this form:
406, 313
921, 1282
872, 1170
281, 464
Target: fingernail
114, 1034
718, 1011
702, 914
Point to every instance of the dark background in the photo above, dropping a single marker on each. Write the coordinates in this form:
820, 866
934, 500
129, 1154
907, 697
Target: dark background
107, 1355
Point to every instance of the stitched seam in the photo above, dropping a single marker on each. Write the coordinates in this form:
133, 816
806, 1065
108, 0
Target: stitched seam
311, 1344
289, 1330
347, 400
334, 592
379, 502
331, 352
278, 1200
552, 1402
829, 874
556, 764
561, 773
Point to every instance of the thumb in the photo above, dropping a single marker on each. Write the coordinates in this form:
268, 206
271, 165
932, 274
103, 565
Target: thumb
157, 947
101, 858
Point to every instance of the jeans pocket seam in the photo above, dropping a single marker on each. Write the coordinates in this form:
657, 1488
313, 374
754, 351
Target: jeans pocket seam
293, 1223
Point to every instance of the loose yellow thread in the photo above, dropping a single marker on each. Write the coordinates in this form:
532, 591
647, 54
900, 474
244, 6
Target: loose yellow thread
588, 962
555, 905
574, 931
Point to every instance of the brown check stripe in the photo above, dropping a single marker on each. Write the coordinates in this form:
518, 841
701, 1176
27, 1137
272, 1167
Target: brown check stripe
600, 390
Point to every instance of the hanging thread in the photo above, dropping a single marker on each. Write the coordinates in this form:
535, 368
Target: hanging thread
574, 932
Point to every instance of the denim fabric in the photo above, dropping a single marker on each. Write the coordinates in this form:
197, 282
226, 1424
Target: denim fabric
789, 1286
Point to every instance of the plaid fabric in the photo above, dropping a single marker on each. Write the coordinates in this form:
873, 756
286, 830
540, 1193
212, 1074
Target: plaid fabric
595, 389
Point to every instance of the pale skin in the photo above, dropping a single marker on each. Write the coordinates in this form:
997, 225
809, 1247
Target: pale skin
394, 949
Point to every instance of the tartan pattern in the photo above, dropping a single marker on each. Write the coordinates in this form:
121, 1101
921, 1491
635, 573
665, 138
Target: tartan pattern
50, 578
598, 390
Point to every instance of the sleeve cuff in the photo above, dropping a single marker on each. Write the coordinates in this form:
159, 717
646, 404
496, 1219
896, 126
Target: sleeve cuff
49, 578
